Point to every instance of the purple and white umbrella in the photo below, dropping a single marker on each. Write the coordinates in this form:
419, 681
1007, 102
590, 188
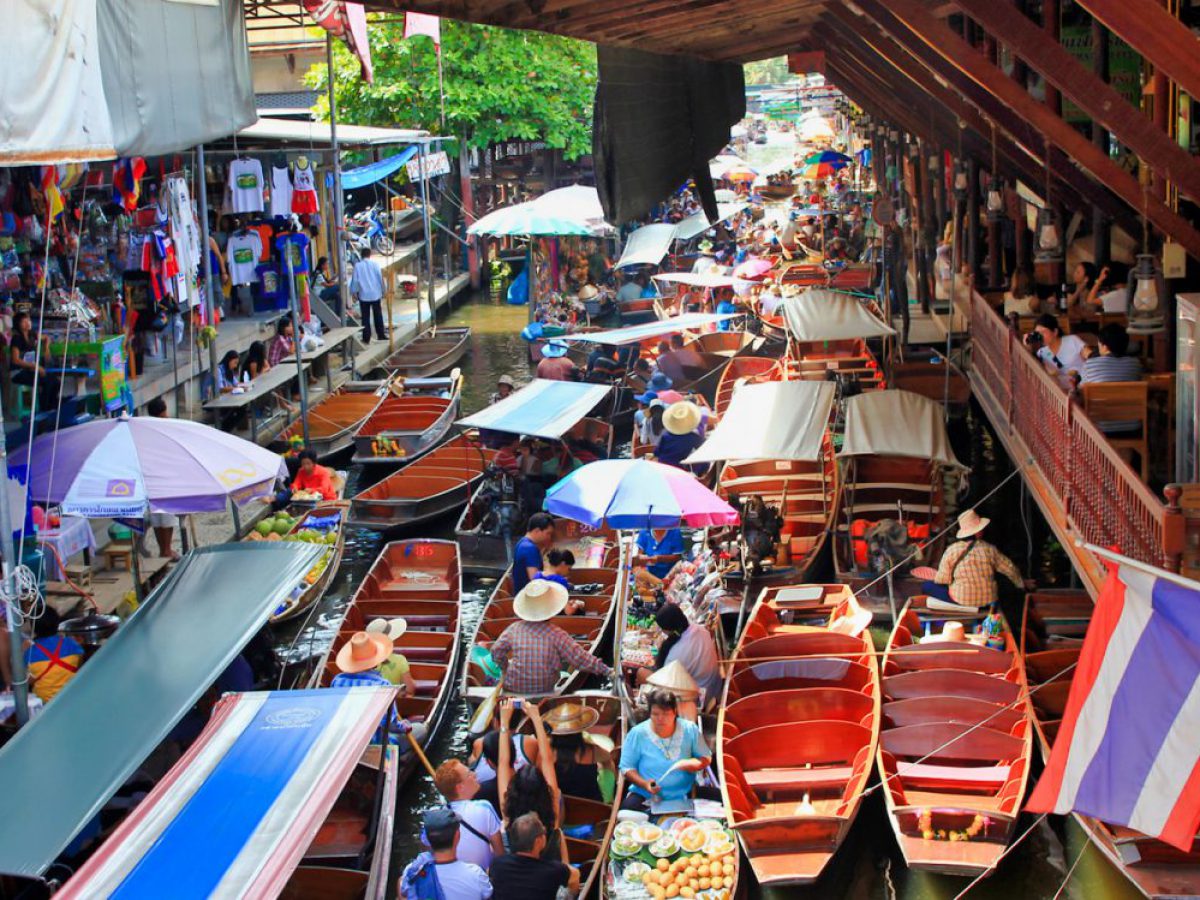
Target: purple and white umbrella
128, 467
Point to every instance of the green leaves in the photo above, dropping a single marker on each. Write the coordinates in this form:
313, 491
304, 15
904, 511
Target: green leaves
499, 85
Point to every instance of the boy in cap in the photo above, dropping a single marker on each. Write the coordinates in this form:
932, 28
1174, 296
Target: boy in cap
439, 874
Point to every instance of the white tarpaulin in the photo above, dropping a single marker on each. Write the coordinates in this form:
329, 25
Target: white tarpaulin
896, 423
52, 106
636, 333
708, 279
647, 246
543, 408
820, 314
698, 223
783, 420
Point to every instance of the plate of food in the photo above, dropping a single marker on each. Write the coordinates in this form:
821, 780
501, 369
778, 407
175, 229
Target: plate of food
694, 839
712, 825
634, 872
666, 846
625, 829
624, 847
647, 833
682, 824
718, 844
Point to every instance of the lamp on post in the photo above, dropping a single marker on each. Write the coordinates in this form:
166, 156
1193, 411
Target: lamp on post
1146, 295
995, 199
960, 181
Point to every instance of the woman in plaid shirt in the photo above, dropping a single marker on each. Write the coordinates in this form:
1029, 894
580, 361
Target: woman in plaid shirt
967, 574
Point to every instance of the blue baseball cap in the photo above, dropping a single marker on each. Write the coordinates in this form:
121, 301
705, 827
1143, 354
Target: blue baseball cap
646, 397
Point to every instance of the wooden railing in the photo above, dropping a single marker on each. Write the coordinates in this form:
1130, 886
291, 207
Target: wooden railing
1099, 497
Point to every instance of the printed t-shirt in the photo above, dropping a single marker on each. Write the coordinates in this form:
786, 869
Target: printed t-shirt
243, 252
245, 186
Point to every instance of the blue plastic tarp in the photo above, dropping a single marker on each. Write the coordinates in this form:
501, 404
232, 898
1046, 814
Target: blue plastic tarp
376, 171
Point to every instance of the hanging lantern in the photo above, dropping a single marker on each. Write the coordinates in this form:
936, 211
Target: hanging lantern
960, 182
894, 135
1146, 295
1049, 236
995, 200
914, 150
933, 164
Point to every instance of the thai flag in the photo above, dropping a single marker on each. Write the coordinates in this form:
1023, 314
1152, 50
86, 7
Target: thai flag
1127, 751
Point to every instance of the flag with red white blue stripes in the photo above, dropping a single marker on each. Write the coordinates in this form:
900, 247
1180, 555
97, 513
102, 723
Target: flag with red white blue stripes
1128, 749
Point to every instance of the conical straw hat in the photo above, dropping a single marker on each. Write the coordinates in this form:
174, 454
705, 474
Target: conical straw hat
674, 678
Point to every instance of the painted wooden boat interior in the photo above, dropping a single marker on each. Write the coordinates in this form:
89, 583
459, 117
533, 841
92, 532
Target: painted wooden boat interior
429, 353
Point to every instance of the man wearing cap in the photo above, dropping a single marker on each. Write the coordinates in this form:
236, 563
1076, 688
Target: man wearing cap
967, 574
395, 668
533, 652
554, 365
358, 663
440, 874
482, 839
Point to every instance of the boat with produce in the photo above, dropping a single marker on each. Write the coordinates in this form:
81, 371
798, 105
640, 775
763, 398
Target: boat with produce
303, 806
414, 419
1055, 624
895, 456
798, 729
324, 524
429, 353
436, 485
419, 581
334, 419
671, 856
593, 581
957, 741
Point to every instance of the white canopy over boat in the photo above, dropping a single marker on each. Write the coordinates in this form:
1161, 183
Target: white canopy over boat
783, 420
543, 408
819, 314
896, 423
636, 333
698, 223
708, 279
647, 246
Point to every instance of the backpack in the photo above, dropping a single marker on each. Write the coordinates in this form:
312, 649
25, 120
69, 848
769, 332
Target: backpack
420, 881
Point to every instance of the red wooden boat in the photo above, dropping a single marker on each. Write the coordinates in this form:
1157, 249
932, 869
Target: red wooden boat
798, 729
1158, 870
955, 748
410, 422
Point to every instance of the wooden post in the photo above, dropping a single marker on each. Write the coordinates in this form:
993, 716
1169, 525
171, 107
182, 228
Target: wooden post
390, 293
972, 220
1050, 24
1100, 223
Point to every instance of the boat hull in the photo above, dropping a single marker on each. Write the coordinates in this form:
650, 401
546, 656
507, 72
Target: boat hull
429, 354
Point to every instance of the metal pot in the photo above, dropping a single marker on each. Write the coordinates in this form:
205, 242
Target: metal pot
90, 630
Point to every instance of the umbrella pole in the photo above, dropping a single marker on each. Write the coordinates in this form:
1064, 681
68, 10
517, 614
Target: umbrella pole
136, 570
297, 346
237, 519
625, 570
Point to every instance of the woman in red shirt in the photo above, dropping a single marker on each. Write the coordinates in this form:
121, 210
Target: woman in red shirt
313, 477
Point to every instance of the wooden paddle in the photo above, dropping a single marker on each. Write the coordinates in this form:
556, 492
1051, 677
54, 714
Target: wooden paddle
420, 754
483, 715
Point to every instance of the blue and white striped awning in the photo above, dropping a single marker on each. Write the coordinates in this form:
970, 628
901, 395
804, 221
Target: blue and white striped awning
636, 333
543, 408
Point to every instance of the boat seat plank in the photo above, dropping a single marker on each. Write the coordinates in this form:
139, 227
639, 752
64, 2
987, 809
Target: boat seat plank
798, 779
955, 777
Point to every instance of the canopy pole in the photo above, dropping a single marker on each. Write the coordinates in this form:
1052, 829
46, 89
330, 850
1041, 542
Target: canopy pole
20, 685
237, 518
338, 201
210, 304
296, 344
424, 174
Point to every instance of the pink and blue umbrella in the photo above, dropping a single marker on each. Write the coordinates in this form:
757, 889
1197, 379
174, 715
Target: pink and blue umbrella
628, 494
127, 467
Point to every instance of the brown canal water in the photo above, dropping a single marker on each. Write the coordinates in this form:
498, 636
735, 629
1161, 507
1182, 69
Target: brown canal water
869, 866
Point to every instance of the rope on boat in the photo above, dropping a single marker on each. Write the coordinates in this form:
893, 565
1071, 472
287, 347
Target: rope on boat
1007, 850
1071, 871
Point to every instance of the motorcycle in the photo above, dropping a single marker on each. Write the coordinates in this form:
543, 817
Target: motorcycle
367, 229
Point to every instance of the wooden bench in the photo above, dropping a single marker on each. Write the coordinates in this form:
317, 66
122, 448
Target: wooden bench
1121, 401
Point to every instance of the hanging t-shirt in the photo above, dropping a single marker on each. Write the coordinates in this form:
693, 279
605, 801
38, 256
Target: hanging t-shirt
245, 186
266, 234
292, 245
281, 192
304, 189
242, 254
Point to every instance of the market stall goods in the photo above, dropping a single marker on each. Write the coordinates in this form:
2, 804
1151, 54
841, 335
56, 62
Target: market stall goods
414, 419
669, 857
1155, 868
956, 744
799, 729
323, 524
437, 484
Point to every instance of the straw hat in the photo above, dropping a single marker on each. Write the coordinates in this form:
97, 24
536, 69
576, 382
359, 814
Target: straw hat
540, 600
706, 248
970, 523
682, 417
364, 651
570, 718
674, 679
952, 632
506, 379
393, 629
588, 291
555, 349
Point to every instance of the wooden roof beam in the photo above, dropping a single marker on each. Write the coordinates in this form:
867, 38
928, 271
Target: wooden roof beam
1098, 99
900, 16
1156, 34
681, 18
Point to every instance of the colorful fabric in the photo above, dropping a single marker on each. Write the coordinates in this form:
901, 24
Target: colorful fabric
391, 719
532, 654
1126, 751
52, 662
127, 182
970, 567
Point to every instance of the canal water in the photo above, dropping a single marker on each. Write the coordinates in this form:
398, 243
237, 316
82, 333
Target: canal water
869, 865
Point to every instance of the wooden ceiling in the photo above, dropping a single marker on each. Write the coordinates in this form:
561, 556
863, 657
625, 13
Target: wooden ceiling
902, 61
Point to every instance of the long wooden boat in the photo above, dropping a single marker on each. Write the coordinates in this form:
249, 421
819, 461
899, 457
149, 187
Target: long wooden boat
596, 585
419, 580
777, 191
742, 370
435, 485
1051, 640
636, 311
697, 367
333, 421
409, 424
798, 729
850, 358
429, 353
956, 746
928, 379
478, 530
332, 519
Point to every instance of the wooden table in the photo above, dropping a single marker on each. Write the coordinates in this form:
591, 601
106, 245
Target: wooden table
261, 388
334, 339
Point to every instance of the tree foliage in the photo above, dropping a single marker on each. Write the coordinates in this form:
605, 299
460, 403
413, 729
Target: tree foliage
500, 85
768, 71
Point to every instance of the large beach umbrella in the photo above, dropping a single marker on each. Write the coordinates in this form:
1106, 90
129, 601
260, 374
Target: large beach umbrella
832, 157
637, 493
577, 203
129, 467
528, 220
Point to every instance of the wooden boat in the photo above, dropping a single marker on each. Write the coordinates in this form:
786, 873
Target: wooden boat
744, 369
955, 748
928, 378
777, 190
333, 421
350, 855
479, 529
635, 311
406, 426
798, 734
850, 358
589, 628
421, 581
324, 571
429, 353
435, 485
1052, 637
697, 367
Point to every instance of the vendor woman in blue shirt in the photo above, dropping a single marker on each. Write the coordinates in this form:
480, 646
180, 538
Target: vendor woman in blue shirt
659, 549
653, 746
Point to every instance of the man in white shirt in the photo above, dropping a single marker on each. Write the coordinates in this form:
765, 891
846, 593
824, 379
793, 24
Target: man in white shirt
479, 837
366, 283
456, 879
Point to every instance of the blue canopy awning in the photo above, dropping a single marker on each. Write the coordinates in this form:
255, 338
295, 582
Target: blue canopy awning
62, 767
543, 408
373, 172
634, 334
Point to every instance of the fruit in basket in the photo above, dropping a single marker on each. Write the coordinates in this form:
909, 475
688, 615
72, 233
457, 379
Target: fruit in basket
282, 526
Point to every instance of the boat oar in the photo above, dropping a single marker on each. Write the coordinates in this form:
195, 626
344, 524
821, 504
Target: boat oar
483, 715
412, 741
600, 741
